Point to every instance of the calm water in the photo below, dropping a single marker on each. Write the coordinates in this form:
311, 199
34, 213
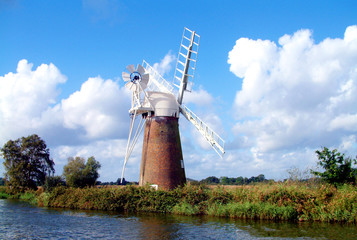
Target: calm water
19, 220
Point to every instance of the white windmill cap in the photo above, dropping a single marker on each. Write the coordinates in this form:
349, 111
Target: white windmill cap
164, 104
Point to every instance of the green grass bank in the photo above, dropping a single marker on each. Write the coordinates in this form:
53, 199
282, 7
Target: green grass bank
275, 201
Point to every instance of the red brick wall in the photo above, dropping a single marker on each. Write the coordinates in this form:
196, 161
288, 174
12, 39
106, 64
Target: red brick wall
162, 153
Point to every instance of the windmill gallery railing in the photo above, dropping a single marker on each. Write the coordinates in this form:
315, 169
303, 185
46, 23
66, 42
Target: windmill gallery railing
159, 82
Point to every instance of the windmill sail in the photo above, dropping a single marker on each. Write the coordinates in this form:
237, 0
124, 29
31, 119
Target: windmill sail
187, 59
186, 62
213, 138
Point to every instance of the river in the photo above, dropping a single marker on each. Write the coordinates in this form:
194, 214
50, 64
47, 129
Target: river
20, 220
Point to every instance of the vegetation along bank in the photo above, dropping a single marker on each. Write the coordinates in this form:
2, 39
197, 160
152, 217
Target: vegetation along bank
273, 201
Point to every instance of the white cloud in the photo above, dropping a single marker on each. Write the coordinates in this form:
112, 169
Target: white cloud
214, 122
199, 98
98, 108
91, 121
347, 144
344, 121
202, 104
28, 105
26, 98
110, 153
165, 65
297, 94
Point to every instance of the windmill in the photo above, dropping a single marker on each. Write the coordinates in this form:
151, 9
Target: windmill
159, 103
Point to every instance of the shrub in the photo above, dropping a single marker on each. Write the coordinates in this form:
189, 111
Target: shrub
53, 181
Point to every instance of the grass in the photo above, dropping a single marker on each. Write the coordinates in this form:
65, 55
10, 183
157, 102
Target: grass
28, 196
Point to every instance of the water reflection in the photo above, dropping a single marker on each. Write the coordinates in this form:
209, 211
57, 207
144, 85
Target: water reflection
20, 220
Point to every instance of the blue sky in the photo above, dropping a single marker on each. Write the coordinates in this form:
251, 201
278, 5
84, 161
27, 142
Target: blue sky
273, 78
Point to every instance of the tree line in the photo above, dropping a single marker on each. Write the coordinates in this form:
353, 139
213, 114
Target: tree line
234, 181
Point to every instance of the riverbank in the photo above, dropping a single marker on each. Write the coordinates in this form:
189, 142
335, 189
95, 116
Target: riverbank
273, 201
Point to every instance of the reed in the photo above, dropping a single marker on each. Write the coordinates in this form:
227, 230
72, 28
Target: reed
3, 193
293, 201
29, 196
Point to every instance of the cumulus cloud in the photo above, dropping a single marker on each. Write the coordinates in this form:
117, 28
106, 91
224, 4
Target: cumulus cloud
98, 108
110, 153
91, 121
296, 94
26, 97
200, 97
28, 104
165, 65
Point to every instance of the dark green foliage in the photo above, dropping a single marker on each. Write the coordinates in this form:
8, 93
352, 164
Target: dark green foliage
337, 168
233, 181
52, 182
211, 180
118, 182
2, 182
3, 193
80, 174
27, 163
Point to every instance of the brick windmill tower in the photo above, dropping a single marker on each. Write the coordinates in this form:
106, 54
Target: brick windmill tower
159, 103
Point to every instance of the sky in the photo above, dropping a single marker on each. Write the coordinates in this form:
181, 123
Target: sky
277, 80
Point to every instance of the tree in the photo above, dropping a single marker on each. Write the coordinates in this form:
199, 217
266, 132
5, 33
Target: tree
226, 181
211, 180
338, 169
118, 182
27, 162
80, 174
261, 178
2, 182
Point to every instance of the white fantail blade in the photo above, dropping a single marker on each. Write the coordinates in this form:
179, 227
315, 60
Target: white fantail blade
145, 78
134, 87
126, 76
131, 86
143, 85
130, 68
128, 85
140, 69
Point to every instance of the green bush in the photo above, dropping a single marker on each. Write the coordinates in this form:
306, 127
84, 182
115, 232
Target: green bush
3, 193
53, 181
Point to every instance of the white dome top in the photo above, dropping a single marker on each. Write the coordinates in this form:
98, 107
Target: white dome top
164, 104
